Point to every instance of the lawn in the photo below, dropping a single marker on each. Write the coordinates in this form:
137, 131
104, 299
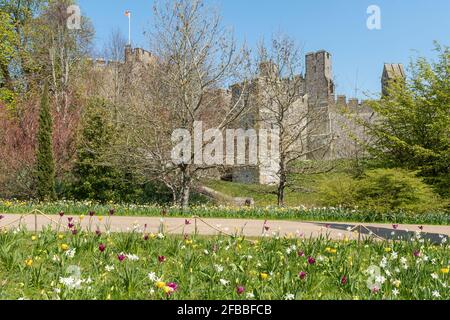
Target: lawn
141, 265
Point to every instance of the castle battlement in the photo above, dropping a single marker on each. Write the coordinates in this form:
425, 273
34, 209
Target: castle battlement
352, 104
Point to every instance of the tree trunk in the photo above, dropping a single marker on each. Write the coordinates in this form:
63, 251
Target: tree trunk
185, 189
281, 186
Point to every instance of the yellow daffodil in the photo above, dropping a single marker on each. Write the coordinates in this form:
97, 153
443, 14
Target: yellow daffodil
64, 247
160, 284
29, 262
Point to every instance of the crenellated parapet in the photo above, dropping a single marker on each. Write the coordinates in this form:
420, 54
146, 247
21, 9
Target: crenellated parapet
352, 105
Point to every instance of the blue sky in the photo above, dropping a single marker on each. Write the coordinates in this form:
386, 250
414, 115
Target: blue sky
408, 28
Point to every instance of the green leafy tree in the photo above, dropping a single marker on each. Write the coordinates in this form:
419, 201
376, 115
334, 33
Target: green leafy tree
45, 166
7, 53
413, 127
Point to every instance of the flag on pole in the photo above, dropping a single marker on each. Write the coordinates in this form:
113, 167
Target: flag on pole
128, 14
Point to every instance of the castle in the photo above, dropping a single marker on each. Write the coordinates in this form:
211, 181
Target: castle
329, 135
330, 129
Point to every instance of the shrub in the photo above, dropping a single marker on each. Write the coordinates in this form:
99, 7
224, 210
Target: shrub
381, 190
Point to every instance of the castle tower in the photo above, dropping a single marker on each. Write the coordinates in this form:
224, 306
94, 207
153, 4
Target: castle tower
391, 72
320, 90
319, 78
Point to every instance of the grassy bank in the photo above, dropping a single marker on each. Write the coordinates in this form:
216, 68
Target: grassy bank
270, 213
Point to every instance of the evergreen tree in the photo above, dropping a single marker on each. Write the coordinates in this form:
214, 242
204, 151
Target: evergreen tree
45, 166
95, 179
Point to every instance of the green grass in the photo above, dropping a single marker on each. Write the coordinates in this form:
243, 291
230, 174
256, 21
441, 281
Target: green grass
66, 266
227, 212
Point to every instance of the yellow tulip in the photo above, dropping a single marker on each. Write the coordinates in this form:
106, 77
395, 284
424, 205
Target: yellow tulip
444, 270
387, 249
29, 262
100, 218
33, 238
160, 284
60, 237
264, 276
64, 247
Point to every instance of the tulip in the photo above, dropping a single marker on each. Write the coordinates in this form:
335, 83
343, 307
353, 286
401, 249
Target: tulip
172, 285
344, 280
102, 247
311, 260
121, 257
161, 259
91, 213
111, 212
61, 214
302, 275
240, 290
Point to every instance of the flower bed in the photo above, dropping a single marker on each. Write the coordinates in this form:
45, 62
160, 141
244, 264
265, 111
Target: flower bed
145, 265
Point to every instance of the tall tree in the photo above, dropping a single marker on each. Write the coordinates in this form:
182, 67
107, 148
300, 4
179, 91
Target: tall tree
283, 104
195, 57
45, 166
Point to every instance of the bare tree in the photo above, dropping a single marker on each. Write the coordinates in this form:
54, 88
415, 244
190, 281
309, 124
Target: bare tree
285, 105
194, 58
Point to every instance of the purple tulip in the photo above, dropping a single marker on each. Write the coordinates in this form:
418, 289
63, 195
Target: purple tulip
111, 212
121, 257
161, 259
416, 253
187, 222
302, 275
344, 280
301, 254
311, 260
395, 226
74, 232
61, 214
240, 290
101, 247
173, 285
91, 213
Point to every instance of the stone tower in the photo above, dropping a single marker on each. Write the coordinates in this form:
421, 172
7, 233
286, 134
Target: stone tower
320, 90
319, 78
391, 72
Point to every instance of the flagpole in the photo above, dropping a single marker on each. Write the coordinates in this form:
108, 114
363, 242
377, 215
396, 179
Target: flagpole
129, 28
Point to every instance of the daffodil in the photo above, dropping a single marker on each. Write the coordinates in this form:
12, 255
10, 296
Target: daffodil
29, 262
